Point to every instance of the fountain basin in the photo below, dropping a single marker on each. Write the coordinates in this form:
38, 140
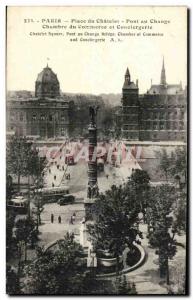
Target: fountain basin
105, 259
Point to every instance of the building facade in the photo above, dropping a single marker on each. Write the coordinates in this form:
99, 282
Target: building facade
46, 115
158, 115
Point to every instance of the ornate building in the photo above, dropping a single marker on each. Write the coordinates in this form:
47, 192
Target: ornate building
158, 115
46, 115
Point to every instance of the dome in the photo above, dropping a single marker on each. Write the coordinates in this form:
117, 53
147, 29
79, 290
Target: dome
47, 75
47, 84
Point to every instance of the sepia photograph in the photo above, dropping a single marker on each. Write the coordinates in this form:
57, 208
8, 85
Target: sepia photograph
96, 150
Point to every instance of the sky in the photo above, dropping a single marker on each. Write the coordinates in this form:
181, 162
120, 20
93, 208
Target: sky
94, 68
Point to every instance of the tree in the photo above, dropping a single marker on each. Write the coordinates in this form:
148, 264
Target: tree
165, 163
12, 282
161, 222
10, 243
23, 159
36, 165
141, 181
18, 150
174, 164
57, 272
38, 209
180, 212
36, 168
25, 233
179, 162
9, 188
116, 221
107, 121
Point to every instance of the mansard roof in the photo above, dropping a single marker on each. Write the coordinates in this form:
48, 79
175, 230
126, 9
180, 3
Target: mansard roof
170, 89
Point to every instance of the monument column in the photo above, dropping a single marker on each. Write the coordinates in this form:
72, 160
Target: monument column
92, 188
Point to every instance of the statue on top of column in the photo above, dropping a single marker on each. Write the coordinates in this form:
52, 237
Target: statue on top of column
93, 113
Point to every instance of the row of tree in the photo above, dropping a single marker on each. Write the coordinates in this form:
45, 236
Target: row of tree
23, 161
173, 165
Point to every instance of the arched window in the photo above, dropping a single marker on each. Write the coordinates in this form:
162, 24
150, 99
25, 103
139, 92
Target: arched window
42, 117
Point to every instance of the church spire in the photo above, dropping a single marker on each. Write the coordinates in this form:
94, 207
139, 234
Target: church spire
127, 76
47, 62
163, 74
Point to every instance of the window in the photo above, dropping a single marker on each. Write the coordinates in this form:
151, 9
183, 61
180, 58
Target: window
63, 131
21, 117
162, 115
168, 125
169, 115
42, 117
50, 118
154, 115
182, 115
12, 116
34, 117
181, 125
148, 125
161, 125
155, 127
63, 118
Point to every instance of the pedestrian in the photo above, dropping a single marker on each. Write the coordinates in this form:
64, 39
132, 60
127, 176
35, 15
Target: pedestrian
52, 218
63, 168
59, 220
54, 177
73, 217
71, 220
57, 166
52, 184
107, 176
